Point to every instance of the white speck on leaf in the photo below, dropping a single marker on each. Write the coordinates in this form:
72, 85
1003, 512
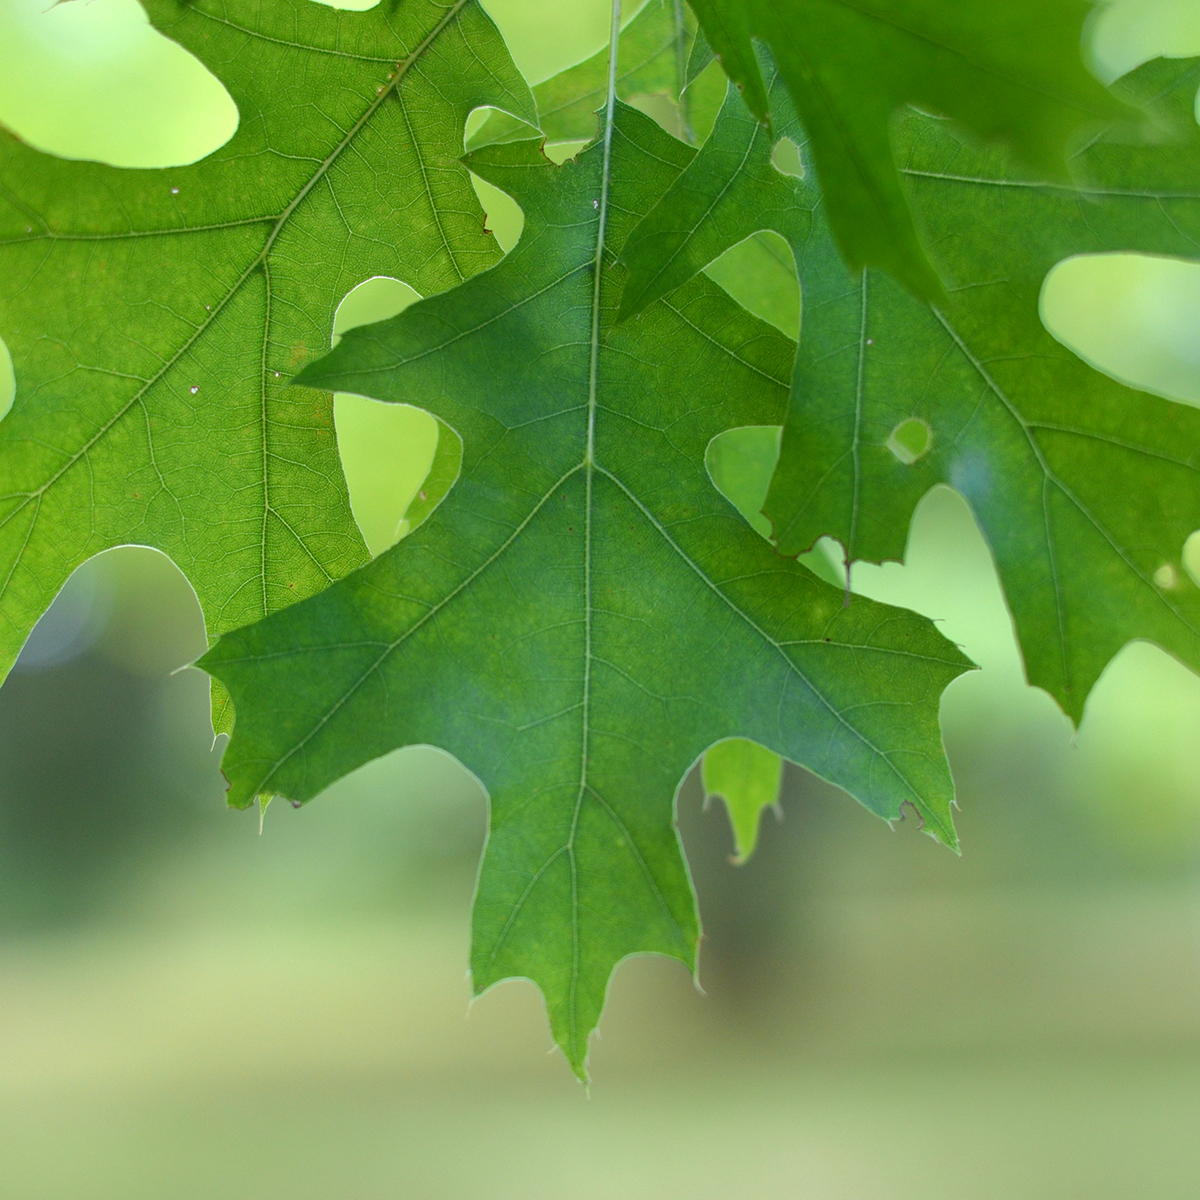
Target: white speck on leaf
174, 191
194, 388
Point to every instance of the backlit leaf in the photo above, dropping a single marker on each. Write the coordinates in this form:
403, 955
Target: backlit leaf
584, 614
155, 316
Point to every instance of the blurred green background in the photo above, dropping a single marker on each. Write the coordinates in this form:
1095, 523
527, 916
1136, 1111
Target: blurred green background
190, 1009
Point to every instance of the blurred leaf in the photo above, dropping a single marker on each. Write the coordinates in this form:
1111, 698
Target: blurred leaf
747, 777
1086, 490
584, 614
1011, 70
154, 316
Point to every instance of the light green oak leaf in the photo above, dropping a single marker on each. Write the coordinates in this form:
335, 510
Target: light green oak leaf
155, 316
584, 614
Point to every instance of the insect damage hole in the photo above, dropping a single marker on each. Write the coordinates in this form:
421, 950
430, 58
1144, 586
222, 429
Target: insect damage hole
910, 440
785, 158
8, 381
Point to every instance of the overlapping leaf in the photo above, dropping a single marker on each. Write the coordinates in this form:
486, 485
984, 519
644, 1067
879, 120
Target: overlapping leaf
154, 317
654, 50
1010, 70
584, 613
1086, 489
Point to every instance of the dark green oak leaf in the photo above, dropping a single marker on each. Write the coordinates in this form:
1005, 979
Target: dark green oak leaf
655, 49
1010, 70
155, 316
1086, 489
584, 614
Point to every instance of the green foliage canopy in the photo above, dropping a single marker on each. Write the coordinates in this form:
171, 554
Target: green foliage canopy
581, 614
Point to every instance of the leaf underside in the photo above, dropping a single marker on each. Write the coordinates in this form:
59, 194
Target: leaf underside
584, 614
578, 614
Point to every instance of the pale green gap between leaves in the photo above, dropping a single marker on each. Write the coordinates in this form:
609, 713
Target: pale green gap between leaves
1125, 33
747, 778
57, 64
8, 382
385, 448
740, 463
1135, 317
760, 274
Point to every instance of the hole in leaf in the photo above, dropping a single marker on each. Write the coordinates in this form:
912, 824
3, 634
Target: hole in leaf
1166, 577
785, 158
1191, 557
1136, 317
386, 449
910, 440
8, 381
740, 463
660, 107
372, 300
504, 216
97, 81
760, 274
